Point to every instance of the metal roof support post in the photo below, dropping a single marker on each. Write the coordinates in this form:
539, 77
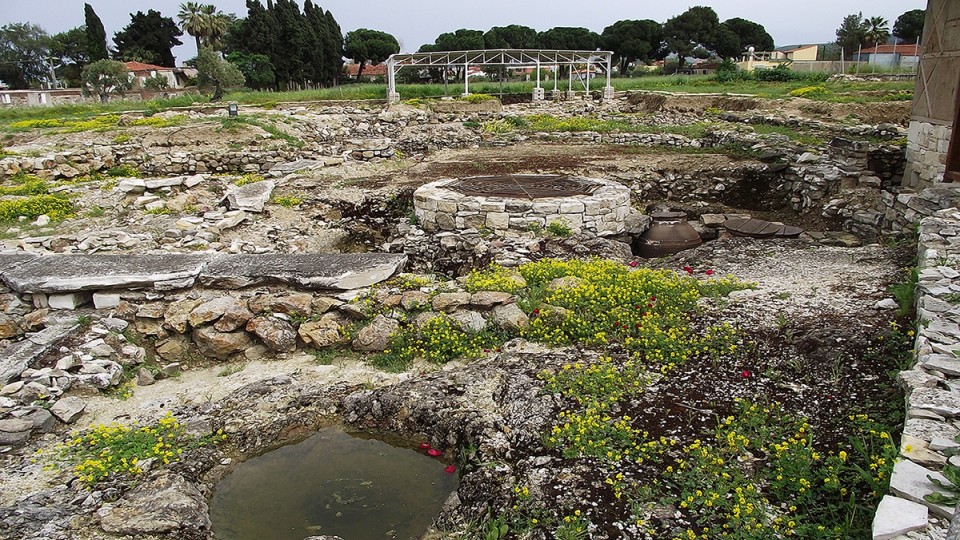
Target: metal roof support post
466, 79
570, 93
392, 95
538, 92
555, 95
608, 89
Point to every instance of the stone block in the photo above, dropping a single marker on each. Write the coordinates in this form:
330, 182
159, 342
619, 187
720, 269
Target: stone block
498, 220
102, 300
69, 301
574, 207
896, 516
447, 206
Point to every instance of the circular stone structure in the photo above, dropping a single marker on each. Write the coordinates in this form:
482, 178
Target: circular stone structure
523, 202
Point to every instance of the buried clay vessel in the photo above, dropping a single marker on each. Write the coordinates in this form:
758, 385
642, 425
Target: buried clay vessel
669, 233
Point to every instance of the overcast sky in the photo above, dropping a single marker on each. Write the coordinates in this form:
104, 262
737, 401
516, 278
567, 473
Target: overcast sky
415, 22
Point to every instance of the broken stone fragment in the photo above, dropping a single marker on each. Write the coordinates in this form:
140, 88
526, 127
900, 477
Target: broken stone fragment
375, 336
167, 504
68, 409
510, 317
450, 301
210, 311
293, 304
322, 333
250, 197
177, 315
220, 344
896, 516
276, 334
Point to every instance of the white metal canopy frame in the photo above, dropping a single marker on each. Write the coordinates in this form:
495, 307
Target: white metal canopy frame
590, 61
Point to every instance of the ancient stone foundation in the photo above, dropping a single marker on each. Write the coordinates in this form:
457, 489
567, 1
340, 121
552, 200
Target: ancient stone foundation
443, 206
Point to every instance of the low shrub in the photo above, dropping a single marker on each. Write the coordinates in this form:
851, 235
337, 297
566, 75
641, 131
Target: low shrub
107, 451
53, 206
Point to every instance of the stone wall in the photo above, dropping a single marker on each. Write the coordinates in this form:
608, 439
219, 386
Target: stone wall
927, 443
927, 145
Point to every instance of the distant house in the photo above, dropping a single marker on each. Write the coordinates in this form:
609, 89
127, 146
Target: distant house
370, 72
176, 77
796, 53
790, 54
700, 67
891, 55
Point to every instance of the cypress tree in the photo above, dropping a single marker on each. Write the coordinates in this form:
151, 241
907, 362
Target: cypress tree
319, 41
95, 34
334, 63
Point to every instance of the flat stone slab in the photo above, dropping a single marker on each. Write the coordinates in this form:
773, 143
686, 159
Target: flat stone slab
70, 273
910, 481
896, 516
939, 401
12, 260
314, 271
22, 354
281, 169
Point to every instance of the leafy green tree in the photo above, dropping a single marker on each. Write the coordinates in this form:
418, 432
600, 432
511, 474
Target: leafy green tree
877, 31
364, 45
909, 26
216, 73
256, 69
513, 36
460, 40
70, 51
157, 83
696, 27
736, 35
105, 77
24, 48
150, 37
852, 33
632, 40
565, 37
96, 36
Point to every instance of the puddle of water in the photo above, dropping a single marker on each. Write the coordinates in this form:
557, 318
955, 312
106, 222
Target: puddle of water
332, 483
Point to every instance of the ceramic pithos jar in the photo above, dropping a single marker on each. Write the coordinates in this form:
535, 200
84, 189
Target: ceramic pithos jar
669, 233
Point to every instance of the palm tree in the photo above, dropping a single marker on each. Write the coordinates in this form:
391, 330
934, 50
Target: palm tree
193, 20
877, 31
216, 23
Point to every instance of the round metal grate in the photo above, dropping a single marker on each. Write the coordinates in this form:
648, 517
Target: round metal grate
527, 186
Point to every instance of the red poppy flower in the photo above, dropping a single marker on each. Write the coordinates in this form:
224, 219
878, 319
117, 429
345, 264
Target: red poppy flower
688, 269
424, 445
536, 311
709, 272
449, 469
633, 264
434, 452
745, 374
653, 298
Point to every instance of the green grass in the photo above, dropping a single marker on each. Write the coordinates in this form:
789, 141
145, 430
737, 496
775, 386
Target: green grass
840, 92
233, 122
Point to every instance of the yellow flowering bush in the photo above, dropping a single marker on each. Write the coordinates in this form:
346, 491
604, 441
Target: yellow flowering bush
439, 340
118, 450
790, 488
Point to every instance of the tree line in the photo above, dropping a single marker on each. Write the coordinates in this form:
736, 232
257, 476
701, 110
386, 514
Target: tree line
279, 46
